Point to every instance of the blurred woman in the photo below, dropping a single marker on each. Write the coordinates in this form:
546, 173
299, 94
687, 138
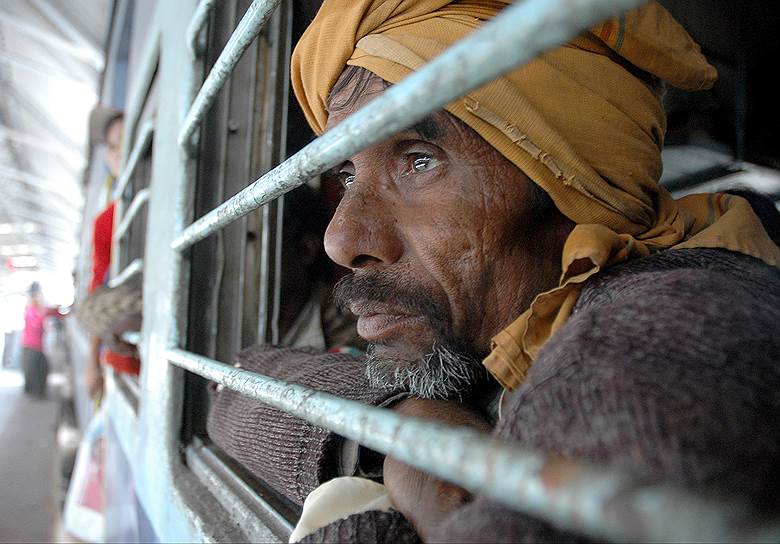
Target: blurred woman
36, 367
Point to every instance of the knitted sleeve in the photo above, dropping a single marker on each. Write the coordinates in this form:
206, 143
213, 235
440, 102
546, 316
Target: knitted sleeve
291, 455
371, 527
671, 374
107, 308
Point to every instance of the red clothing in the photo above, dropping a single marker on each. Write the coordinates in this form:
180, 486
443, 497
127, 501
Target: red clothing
101, 246
121, 363
102, 235
32, 336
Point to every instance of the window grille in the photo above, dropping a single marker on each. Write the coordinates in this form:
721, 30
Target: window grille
250, 26
123, 219
603, 503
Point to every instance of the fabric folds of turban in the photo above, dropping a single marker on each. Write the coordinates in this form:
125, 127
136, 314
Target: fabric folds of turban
584, 121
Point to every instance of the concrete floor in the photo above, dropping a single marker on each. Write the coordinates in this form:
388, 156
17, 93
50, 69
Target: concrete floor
29, 481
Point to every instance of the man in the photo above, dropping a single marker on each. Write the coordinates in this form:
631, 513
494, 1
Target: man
522, 232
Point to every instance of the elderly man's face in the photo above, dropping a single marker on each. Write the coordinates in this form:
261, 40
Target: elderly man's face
446, 247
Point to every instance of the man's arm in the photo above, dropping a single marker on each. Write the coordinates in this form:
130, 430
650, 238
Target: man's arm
93, 375
671, 374
676, 379
55, 311
291, 455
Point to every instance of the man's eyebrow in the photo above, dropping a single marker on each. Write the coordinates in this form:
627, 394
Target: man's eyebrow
427, 128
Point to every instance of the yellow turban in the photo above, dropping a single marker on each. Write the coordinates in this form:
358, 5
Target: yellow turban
583, 121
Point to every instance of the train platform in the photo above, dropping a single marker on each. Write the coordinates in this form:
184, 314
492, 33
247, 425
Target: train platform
32, 488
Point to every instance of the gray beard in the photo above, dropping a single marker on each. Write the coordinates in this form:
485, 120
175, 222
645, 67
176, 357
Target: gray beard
441, 374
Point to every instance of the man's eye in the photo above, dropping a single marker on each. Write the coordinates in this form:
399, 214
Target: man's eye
422, 163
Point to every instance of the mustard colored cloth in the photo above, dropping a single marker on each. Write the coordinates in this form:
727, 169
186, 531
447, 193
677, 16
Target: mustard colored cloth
584, 121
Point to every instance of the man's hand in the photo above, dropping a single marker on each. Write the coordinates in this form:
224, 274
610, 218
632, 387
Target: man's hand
115, 343
94, 381
93, 374
424, 499
112, 339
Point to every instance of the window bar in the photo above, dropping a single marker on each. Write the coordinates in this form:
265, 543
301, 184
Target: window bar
195, 38
141, 145
146, 70
139, 148
520, 33
251, 23
600, 502
131, 392
237, 496
132, 269
141, 198
596, 501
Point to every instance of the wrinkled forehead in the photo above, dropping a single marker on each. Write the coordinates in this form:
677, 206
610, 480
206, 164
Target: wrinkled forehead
355, 88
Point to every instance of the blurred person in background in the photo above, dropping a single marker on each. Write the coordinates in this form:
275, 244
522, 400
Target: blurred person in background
36, 367
102, 310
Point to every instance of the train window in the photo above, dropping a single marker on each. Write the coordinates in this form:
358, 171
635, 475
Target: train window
131, 196
257, 281
234, 292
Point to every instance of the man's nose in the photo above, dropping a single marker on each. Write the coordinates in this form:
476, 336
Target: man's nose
363, 232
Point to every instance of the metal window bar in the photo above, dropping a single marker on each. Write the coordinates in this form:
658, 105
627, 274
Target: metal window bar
140, 198
195, 38
236, 496
142, 143
131, 270
521, 32
250, 26
600, 502
129, 388
143, 81
141, 146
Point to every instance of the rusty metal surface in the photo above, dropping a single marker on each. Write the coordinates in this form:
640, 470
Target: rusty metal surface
597, 501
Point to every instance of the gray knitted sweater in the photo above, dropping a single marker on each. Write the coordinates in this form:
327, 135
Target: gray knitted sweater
669, 366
